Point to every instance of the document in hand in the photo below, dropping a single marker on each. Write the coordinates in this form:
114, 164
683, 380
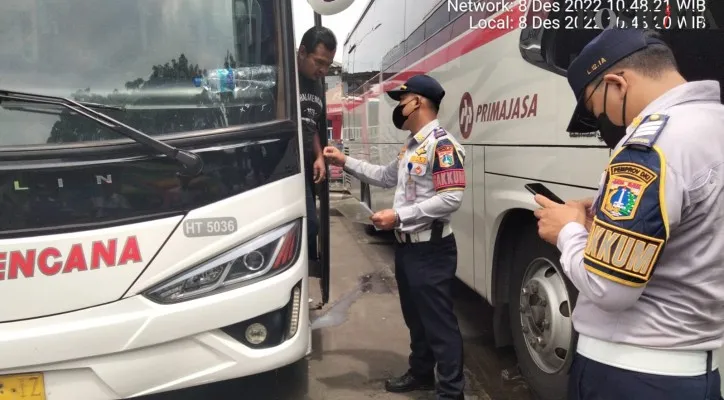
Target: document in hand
355, 211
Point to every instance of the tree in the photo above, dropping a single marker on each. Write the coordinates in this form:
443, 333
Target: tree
177, 96
158, 89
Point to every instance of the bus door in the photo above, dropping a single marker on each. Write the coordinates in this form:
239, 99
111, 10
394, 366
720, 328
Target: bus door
321, 269
324, 234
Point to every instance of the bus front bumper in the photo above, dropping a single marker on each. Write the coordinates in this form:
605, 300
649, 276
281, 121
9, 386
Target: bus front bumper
136, 347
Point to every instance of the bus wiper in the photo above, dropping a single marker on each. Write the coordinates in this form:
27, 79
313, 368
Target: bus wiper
192, 163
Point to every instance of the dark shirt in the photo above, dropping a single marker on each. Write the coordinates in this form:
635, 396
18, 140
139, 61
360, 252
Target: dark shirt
310, 103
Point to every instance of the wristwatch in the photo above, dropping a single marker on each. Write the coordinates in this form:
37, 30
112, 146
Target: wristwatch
397, 219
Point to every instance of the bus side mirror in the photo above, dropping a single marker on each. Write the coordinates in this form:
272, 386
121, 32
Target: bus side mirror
329, 7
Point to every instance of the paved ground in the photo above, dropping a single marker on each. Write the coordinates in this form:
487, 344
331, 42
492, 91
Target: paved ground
360, 339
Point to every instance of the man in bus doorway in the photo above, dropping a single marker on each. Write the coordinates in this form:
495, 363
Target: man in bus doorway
647, 256
315, 56
429, 181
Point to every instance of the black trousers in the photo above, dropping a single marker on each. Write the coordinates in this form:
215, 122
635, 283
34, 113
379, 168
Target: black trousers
591, 380
425, 272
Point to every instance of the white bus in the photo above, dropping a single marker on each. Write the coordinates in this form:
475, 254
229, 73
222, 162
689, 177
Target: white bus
508, 102
152, 215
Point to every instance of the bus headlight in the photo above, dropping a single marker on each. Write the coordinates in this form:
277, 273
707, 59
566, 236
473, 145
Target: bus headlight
260, 258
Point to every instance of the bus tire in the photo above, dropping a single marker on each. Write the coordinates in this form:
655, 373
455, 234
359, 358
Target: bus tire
541, 300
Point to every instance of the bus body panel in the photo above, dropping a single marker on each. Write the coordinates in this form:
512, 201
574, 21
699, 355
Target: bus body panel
217, 78
106, 345
255, 212
549, 164
465, 235
508, 196
481, 229
42, 273
134, 347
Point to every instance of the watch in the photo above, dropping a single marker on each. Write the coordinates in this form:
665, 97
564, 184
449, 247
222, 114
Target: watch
397, 219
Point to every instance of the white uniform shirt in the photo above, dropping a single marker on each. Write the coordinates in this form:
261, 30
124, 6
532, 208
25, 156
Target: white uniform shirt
434, 161
651, 272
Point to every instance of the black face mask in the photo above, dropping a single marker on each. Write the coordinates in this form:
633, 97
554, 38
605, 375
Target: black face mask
398, 118
611, 133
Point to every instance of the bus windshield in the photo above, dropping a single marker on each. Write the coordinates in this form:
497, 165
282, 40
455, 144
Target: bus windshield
167, 66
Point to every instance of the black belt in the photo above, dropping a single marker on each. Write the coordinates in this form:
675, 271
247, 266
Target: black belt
435, 235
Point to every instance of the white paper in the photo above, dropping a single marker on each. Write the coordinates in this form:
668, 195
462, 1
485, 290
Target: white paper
361, 214
355, 211
368, 210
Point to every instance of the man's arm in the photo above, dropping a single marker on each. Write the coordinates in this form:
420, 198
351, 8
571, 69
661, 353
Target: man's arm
641, 202
448, 175
384, 176
317, 145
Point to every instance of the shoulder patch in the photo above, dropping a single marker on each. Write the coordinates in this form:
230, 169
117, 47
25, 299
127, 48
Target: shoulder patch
439, 132
630, 228
447, 169
647, 131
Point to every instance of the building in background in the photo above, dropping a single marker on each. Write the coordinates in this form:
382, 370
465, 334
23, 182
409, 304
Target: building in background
333, 83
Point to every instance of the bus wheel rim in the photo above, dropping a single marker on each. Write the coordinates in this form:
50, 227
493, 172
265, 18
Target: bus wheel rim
545, 315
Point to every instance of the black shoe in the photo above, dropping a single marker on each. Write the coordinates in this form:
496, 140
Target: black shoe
409, 383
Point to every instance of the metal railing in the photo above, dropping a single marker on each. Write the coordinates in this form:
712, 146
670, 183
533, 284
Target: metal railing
351, 134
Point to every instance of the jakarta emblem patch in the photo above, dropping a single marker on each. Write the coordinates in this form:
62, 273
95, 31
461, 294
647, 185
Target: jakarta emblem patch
445, 155
626, 185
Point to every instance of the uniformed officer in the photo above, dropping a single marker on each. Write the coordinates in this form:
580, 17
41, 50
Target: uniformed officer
429, 180
647, 260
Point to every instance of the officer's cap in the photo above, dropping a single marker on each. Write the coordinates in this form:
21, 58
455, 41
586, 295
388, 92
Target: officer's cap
423, 85
605, 50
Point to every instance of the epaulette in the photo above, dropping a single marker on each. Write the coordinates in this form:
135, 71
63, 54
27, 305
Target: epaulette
439, 132
419, 137
647, 131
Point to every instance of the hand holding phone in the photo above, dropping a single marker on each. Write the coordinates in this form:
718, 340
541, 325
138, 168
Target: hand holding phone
539, 188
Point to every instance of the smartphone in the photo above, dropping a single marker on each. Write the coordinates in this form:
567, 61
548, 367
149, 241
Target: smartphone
539, 188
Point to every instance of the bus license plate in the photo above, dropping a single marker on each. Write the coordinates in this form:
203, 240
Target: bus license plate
203, 227
22, 387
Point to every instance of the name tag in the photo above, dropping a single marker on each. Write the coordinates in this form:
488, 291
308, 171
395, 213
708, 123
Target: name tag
410, 191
